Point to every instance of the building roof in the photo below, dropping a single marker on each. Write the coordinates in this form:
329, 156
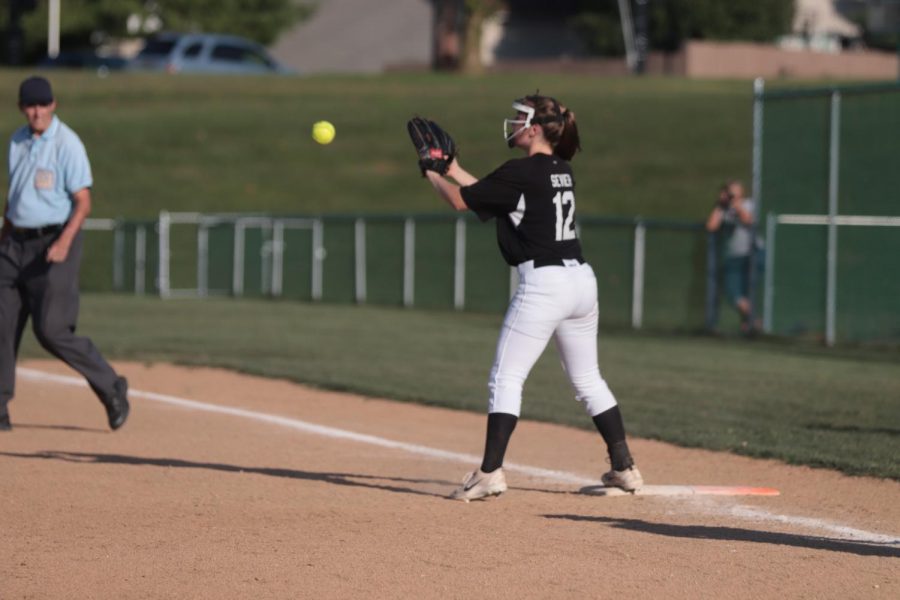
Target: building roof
819, 17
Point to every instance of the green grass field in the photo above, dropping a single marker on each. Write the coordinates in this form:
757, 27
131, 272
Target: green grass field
797, 403
655, 147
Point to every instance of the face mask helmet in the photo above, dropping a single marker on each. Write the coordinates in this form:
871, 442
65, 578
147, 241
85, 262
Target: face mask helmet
513, 127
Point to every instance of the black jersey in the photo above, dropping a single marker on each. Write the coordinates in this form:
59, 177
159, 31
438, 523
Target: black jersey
533, 200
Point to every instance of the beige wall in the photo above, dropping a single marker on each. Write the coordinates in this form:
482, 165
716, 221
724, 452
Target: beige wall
722, 60
359, 36
745, 60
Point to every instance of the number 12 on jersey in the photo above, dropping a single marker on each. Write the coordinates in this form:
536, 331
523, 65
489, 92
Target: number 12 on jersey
565, 213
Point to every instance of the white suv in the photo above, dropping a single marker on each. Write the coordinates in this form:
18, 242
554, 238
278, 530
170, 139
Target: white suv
204, 53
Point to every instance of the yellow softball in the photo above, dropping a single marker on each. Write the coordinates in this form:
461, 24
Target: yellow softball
323, 132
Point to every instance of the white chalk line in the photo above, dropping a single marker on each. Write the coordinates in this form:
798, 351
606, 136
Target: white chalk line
752, 513
739, 511
312, 428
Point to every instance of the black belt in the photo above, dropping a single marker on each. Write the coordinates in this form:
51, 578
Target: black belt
30, 233
555, 262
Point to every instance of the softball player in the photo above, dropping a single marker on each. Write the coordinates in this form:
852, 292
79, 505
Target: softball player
533, 202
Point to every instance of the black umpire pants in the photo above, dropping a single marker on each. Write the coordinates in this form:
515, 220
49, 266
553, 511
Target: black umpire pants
48, 292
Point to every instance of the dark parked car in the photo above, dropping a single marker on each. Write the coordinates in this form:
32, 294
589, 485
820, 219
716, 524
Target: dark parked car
85, 59
204, 53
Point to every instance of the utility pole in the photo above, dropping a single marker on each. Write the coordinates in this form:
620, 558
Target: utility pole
641, 35
15, 36
628, 34
53, 29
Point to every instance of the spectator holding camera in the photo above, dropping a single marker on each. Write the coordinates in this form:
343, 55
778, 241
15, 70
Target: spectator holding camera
733, 217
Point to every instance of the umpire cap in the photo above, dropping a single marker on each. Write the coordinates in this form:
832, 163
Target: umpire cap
35, 90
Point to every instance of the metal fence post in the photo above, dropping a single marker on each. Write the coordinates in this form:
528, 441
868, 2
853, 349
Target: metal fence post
140, 262
277, 257
267, 257
163, 282
637, 282
318, 257
409, 262
712, 281
513, 281
237, 273
833, 190
202, 260
759, 86
119, 256
359, 237
769, 275
459, 266
758, 103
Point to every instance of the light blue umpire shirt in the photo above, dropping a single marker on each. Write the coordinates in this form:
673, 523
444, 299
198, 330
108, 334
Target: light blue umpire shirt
44, 172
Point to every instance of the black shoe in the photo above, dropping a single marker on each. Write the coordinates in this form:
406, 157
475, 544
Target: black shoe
117, 407
5, 425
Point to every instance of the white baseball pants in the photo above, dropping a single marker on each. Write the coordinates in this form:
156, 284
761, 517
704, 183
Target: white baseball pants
558, 301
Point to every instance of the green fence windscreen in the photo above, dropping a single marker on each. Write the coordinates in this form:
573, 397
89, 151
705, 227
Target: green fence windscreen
674, 280
868, 275
452, 262
610, 251
870, 154
795, 183
435, 251
799, 280
384, 262
220, 258
487, 274
795, 155
339, 282
97, 260
298, 257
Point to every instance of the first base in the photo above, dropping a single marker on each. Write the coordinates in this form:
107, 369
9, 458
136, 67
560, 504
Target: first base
681, 490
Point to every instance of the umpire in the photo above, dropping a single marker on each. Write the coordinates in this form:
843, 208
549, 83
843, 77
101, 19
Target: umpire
40, 251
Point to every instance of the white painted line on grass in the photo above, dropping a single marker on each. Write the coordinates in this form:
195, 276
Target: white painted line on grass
742, 512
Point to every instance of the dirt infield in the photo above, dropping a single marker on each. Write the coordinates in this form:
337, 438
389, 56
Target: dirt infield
228, 486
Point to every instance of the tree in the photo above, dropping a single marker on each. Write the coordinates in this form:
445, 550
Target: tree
447, 36
259, 20
15, 37
600, 32
477, 12
672, 22
457, 32
87, 23
675, 21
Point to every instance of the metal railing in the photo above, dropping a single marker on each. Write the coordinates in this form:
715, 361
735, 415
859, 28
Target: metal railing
194, 255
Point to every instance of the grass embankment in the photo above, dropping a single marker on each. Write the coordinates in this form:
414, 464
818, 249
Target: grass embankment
656, 147
797, 403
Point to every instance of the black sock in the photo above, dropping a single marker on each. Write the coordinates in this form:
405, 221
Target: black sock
610, 425
500, 427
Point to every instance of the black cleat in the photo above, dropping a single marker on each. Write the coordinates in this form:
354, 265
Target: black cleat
5, 425
117, 407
